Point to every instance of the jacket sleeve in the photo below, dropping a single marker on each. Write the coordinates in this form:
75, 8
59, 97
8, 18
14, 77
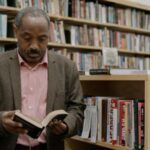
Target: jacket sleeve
75, 105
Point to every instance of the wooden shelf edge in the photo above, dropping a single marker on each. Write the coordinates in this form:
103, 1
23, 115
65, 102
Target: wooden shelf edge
114, 77
101, 144
7, 40
128, 3
77, 47
9, 10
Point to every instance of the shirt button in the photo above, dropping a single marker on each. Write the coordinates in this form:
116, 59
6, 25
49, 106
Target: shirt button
30, 107
31, 89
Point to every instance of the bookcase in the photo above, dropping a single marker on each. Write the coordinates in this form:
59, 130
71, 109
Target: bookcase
112, 24
90, 25
136, 86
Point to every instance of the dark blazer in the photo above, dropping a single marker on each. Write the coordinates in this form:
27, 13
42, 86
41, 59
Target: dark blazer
64, 92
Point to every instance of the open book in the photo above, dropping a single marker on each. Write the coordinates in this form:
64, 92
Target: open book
34, 127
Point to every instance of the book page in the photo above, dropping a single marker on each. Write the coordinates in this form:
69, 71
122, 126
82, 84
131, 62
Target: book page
27, 119
58, 114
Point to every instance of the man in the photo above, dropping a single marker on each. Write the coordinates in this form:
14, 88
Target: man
37, 81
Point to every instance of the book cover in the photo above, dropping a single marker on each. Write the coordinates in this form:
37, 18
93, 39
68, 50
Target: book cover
104, 119
129, 72
99, 71
34, 127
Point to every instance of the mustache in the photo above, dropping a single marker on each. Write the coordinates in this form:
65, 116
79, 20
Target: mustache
34, 51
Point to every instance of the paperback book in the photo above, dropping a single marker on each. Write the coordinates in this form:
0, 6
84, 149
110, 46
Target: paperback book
35, 127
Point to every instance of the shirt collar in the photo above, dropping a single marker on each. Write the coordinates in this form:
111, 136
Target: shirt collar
44, 61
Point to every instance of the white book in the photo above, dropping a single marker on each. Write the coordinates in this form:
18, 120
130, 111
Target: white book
93, 135
87, 122
128, 72
144, 2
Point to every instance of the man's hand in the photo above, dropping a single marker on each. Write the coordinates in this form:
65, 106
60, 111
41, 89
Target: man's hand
10, 125
58, 127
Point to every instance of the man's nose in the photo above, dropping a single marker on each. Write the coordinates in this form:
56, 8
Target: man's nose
34, 45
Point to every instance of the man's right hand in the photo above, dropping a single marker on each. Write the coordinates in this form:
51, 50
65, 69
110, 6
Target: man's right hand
10, 125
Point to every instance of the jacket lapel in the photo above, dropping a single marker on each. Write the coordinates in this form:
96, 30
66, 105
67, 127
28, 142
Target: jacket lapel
15, 79
51, 92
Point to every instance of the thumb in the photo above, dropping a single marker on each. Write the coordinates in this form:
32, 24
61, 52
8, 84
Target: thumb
9, 114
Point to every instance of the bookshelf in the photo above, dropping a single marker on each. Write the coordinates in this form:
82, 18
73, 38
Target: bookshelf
78, 47
82, 144
135, 86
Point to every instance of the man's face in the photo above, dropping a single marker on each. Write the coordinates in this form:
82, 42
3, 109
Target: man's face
32, 38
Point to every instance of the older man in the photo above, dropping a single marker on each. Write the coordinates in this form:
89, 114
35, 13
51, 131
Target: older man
37, 81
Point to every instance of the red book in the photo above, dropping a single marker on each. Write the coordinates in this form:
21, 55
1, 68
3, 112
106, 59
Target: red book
122, 122
114, 109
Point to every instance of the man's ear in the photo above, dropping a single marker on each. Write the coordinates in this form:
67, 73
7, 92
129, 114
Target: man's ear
15, 29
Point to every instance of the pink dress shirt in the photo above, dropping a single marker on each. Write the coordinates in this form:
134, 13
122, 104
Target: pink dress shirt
33, 93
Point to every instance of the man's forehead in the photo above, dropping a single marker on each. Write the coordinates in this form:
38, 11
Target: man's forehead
34, 21
30, 17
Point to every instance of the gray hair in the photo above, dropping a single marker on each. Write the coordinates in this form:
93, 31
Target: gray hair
31, 11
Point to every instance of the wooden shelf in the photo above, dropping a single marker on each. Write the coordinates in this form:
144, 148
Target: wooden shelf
77, 47
73, 47
9, 10
132, 86
137, 86
114, 77
75, 21
133, 52
7, 40
128, 3
79, 140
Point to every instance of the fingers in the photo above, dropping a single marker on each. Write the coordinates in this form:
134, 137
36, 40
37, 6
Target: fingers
58, 127
10, 125
15, 127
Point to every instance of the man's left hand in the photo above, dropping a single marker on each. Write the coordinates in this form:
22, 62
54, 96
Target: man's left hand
58, 127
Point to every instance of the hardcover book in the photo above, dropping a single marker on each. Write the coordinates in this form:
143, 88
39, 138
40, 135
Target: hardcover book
99, 71
35, 127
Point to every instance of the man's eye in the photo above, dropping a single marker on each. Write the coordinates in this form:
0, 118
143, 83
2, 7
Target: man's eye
27, 39
42, 39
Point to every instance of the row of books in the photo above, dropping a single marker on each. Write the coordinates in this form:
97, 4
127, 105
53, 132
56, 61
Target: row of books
104, 13
133, 62
114, 120
83, 35
94, 60
57, 32
54, 7
129, 41
85, 61
90, 36
89, 9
